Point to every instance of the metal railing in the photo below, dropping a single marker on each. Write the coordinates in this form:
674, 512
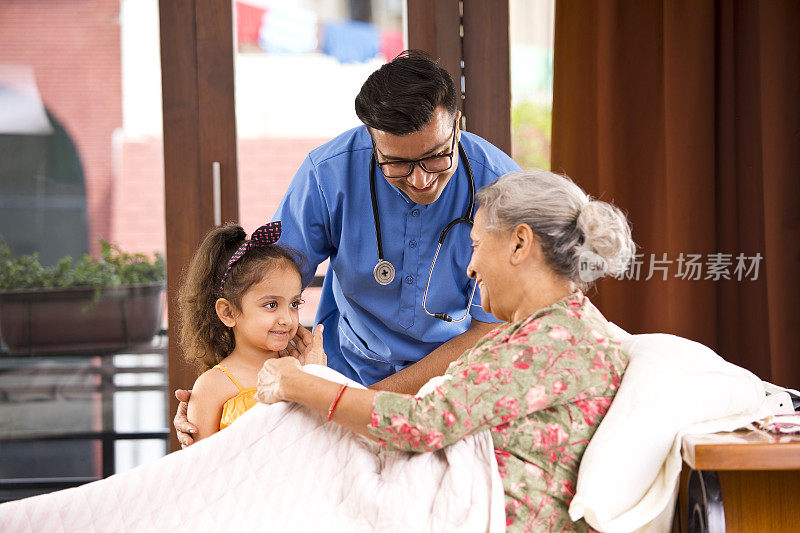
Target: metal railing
106, 387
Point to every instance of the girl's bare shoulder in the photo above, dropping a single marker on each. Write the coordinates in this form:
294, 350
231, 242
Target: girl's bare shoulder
213, 386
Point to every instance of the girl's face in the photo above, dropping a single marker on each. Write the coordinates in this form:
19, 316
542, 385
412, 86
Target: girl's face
269, 311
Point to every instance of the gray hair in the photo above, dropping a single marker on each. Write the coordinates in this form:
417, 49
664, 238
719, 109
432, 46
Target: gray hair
574, 229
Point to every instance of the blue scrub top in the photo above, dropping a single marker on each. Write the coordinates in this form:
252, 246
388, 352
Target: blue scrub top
373, 331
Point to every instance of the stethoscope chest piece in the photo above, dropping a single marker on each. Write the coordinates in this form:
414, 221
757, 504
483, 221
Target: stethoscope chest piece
384, 272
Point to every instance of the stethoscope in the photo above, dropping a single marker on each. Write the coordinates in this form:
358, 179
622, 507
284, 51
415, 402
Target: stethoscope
384, 271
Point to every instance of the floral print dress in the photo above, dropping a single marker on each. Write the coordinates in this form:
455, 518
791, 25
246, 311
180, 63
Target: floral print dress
541, 386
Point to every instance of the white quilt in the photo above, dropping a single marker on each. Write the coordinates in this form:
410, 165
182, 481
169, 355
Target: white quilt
282, 468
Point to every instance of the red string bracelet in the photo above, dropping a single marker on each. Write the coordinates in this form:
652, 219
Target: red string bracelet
335, 402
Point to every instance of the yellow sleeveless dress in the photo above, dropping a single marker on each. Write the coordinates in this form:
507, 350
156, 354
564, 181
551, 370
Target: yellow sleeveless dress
236, 406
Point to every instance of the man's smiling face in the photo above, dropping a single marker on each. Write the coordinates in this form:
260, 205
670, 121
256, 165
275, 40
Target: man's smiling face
439, 137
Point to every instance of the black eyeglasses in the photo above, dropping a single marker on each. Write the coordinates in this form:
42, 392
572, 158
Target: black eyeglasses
433, 164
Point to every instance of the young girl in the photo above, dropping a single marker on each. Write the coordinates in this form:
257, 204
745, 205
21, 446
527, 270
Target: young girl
238, 308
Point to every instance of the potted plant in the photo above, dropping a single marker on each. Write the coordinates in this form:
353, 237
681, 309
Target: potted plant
99, 305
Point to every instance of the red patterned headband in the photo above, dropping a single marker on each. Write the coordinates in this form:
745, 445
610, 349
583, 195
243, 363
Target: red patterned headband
263, 236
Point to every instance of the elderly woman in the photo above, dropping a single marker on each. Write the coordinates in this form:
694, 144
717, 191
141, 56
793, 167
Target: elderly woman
541, 382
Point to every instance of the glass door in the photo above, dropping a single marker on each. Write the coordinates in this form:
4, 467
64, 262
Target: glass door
531, 69
82, 371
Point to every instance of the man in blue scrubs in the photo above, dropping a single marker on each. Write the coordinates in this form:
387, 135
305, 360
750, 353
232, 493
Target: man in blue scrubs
376, 330
373, 331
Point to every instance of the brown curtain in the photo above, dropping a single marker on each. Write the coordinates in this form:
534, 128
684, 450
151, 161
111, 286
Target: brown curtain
686, 113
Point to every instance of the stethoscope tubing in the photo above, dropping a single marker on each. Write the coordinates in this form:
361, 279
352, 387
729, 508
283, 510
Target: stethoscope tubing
467, 218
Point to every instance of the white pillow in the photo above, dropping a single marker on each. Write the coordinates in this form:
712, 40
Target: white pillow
629, 472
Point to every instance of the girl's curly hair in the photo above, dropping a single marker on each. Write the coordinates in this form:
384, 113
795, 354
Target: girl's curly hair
203, 338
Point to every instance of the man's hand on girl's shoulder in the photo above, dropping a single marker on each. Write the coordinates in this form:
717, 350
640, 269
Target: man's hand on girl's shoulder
181, 423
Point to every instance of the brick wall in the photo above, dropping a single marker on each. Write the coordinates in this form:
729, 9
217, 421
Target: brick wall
74, 49
266, 166
137, 214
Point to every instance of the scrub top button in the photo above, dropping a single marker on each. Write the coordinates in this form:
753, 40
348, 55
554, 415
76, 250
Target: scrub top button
413, 244
409, 280
415, 213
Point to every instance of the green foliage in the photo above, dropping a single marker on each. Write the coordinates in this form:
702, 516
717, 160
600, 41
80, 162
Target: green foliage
113, 269
531, 126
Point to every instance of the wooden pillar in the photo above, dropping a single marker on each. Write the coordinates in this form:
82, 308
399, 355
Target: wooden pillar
487, 102
471, 40
436, 28
199, 129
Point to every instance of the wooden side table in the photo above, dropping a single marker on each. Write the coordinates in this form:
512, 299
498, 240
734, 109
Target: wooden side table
742, 481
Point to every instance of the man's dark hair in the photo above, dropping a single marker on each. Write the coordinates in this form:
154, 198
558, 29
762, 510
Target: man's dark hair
401, 96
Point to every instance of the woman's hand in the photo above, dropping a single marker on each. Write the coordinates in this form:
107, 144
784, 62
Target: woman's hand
314, 354
271, 378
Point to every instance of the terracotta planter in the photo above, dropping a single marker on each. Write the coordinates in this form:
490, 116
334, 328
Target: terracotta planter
47, 321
